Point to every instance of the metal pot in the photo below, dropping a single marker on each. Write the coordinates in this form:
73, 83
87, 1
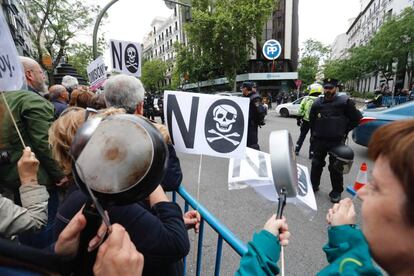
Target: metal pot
122, 158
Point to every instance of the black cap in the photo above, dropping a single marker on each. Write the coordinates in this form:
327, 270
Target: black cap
247, 84
330, 82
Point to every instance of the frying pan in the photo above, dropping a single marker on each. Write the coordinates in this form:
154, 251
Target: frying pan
284, 167
122, 158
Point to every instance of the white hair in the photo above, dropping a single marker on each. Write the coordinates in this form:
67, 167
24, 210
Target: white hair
124, 91
70, 82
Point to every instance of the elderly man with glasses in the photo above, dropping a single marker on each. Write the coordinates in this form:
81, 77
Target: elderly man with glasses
330, 118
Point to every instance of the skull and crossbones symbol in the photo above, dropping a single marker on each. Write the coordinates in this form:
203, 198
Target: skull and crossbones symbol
132, 54
225, 116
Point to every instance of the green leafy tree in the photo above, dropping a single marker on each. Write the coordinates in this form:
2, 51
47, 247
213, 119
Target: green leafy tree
313, 55
220, 37
153, 74
55, 23
80, 55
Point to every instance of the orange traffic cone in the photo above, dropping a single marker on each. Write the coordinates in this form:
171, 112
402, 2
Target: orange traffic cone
362, 177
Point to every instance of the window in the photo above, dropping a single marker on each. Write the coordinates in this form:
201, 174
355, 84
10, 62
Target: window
176, 25
176, 38
175, 11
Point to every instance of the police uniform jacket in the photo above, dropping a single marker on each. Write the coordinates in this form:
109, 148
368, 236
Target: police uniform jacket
332, 120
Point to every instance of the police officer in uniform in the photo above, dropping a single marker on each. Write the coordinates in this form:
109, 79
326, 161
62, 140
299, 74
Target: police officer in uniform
255, 103
331, 118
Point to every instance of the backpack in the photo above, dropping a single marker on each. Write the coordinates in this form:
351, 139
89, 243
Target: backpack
260, 109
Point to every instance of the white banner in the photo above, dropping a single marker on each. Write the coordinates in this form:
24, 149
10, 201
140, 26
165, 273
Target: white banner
207, 124
96, 72
11, 70
126, 57
255, 171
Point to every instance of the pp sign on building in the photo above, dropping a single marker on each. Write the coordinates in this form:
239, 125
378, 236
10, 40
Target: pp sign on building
126, 57
11, 70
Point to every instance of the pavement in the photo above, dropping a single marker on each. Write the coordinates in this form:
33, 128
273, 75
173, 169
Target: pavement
245, 212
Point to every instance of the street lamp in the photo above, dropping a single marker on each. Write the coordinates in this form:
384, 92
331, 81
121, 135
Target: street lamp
187, 15
95, 29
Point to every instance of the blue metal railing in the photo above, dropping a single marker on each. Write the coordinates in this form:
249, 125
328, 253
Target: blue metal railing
391, 101
222, 231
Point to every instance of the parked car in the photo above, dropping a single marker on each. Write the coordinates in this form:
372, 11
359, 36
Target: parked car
375, 118
289, 109
292, 108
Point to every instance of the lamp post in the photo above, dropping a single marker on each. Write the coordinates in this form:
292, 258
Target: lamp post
95, 29
169, 4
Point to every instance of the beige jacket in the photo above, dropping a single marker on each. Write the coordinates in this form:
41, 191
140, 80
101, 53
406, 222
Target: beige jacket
32, 216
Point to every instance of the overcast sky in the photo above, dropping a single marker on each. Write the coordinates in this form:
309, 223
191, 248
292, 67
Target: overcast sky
319, 19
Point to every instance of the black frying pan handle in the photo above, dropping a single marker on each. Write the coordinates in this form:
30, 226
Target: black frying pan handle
84, 259
282, 203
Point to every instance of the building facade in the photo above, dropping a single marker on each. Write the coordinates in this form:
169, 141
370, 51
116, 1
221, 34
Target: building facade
373, 14
283, 25
19, 26
158, 43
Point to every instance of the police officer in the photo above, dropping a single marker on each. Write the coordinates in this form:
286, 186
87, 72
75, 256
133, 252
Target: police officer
303, 119
331, 118
255, 108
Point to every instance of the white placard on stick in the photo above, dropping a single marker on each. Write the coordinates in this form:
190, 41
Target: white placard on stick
11, 69
207, 124
126, 57
97, 72
255, 171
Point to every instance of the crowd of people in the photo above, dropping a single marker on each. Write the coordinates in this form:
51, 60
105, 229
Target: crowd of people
41, 206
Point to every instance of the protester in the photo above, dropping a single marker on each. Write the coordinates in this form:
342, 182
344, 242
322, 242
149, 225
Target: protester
159, 232
59, 97
264, 250
387, 204
122, 91
81, 97
70, 83
98, 102
33, 115
32, 215
35, 77
117, 255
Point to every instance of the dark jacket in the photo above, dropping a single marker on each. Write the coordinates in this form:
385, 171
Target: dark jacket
332, 120
33, 115
173, 174
59, 107
159, 233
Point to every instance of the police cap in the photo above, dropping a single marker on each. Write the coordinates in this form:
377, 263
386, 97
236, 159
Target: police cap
247, 84
329, 83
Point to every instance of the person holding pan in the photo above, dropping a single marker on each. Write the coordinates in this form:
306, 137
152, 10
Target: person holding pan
387, 235
156, 226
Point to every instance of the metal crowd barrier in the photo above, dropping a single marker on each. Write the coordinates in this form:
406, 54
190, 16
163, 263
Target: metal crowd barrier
223, 232
391, 101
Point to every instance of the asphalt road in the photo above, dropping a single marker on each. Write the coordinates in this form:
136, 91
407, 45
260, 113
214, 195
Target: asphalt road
244, 211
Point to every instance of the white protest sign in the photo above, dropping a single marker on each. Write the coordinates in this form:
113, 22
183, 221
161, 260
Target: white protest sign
255, 171
11, 70
96, 72
207, 124
126, 57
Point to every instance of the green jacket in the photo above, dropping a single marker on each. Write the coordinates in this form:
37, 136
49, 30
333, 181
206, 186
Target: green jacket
33, 115
261, 257
305, 107
348, 253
